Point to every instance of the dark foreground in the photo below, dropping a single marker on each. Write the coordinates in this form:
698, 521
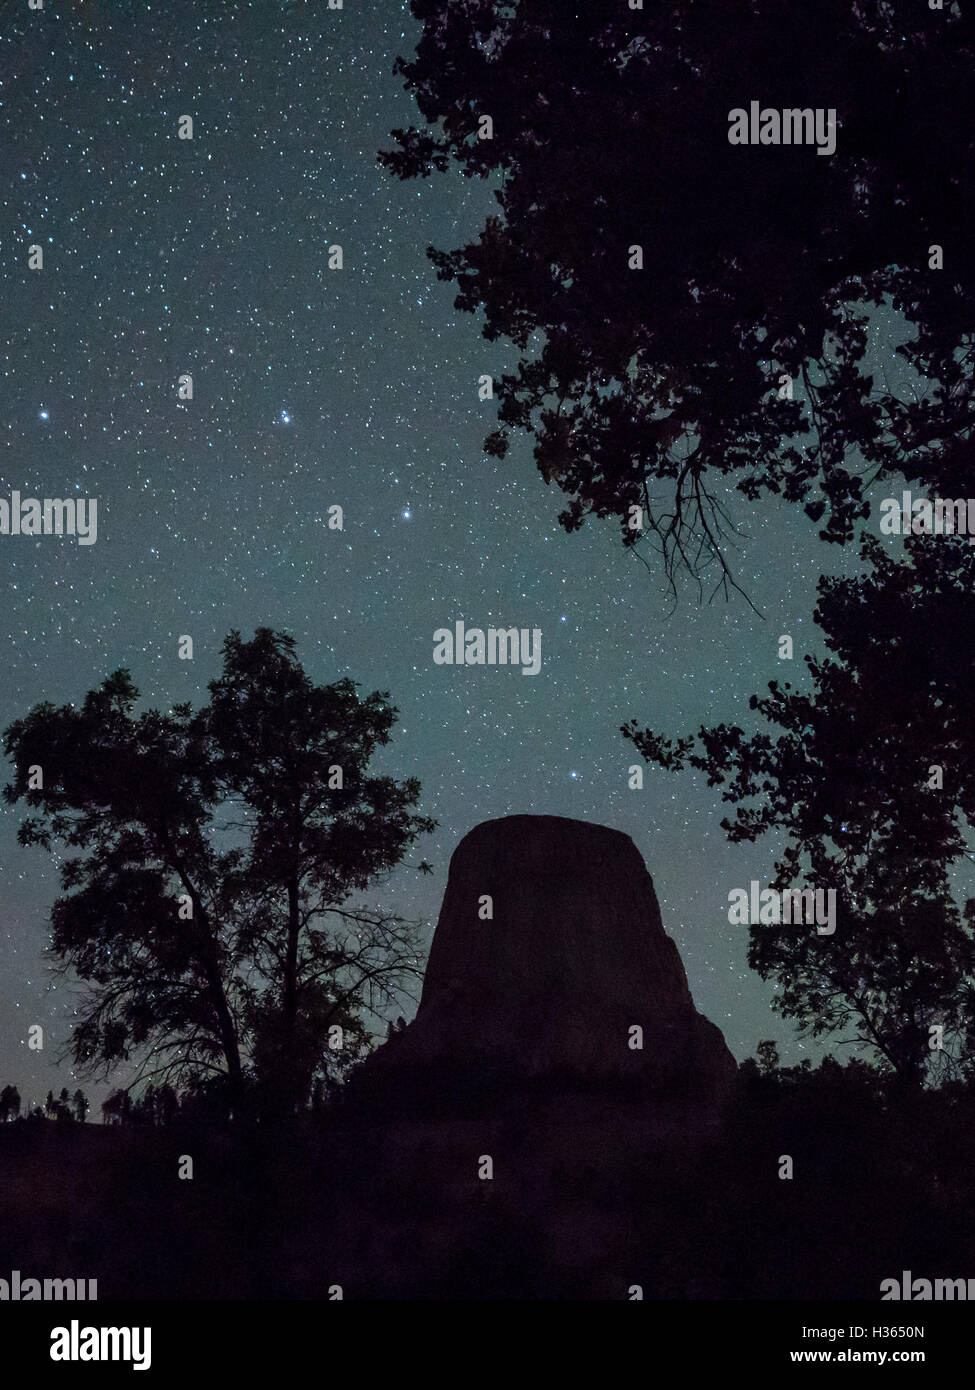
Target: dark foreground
592, 1197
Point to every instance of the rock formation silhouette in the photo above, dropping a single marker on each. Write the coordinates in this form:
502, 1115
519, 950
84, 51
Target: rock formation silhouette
550, 968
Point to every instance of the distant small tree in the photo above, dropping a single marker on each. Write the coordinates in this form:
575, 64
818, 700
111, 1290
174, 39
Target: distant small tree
117, 1108
9, 1103
81, 1107
768, 1056
167, 1104
144, 1107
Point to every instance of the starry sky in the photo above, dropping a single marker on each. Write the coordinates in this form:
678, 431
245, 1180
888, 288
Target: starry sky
315, 387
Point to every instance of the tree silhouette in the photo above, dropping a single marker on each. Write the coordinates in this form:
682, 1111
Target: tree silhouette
295, 757
167, 1104
117, 1108
62, 1107
662, 387
9, 1104
767, 1056
81, 1107
869, 779
209, 901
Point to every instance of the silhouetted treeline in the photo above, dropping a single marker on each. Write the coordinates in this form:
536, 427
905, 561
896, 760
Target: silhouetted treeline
157, 1105
154, 1105
63, 1108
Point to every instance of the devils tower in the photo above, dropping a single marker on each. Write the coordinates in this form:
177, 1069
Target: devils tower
550, 966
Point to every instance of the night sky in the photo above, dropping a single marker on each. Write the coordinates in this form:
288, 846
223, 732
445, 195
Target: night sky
315, 387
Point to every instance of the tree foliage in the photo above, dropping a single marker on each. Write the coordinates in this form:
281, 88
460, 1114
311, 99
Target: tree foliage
210, 893
659, 388
9, 1104
868, 779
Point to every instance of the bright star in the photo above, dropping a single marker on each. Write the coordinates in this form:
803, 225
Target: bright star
44, 415
407, 515
285, 418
